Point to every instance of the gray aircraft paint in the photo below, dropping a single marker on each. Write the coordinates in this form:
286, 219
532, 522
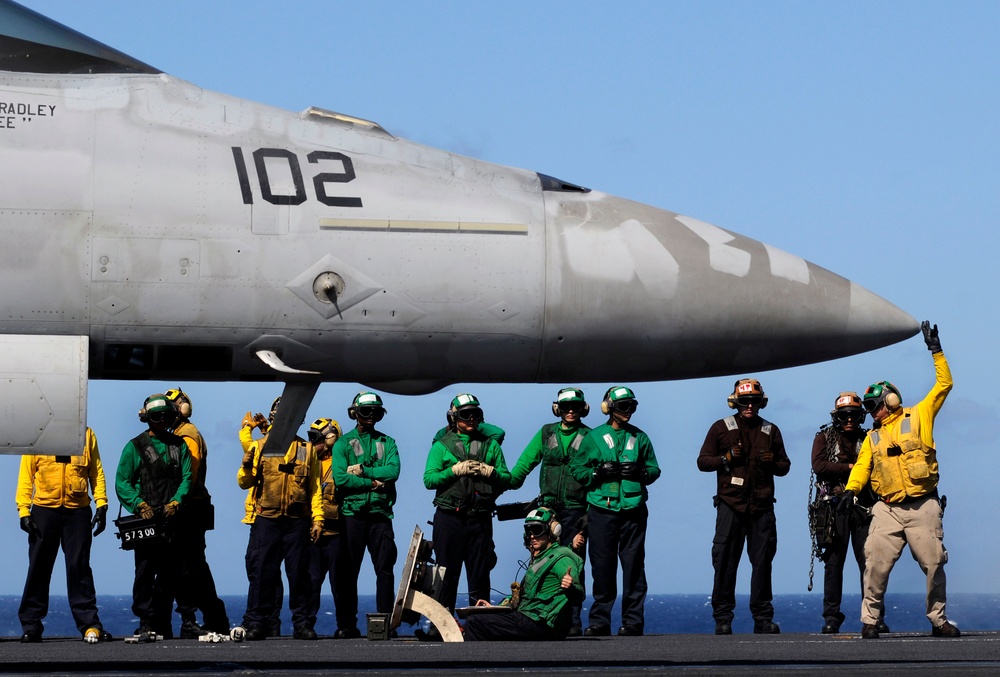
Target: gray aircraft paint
178, 233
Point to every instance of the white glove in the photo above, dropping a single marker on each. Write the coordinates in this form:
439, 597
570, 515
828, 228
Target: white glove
354, 470
464, 468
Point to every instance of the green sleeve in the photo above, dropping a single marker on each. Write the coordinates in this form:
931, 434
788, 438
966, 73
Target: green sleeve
530, 457
652, 467
583, 461
494, 456
126, 479
388, 470
437, 472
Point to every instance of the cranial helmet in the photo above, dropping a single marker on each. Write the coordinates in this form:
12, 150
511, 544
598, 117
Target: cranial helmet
464, 402
542, 520
616, 394
880, 393
366, 398
747, 391
846, 407
180, 400
324, 430
158, 408
571, 395
274, 409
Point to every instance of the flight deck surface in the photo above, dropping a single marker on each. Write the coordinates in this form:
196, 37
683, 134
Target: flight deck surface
897, 653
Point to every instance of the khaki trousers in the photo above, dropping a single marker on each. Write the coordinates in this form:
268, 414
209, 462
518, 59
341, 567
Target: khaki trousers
917, 524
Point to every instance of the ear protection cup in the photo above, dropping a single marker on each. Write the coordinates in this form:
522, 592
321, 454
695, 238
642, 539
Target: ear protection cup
606, 403
142, 416
555, 529
892, 401
731, 401
352, 413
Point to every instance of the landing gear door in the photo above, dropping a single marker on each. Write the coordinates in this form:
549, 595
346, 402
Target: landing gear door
43, 394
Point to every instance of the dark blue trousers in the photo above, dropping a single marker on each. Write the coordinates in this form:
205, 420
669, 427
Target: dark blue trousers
614, 537
374, 533
277, 540
68, 528
732, 530
460, 538
324, 564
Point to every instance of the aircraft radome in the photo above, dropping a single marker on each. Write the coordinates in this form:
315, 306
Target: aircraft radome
152, 229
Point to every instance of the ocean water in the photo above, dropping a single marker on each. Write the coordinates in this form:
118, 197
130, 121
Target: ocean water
665, 614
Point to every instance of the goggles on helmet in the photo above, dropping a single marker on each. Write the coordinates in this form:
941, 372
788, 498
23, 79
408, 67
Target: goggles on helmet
848, 416
536, 529
625, 406
372, 412
749, 400
566, 407
469, 414
160, 416
871, 405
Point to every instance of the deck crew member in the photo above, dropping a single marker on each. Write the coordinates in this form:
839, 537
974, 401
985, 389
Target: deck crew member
365, 469
53, 502
324, 552
616, 463
154, 476
558, 489
541, 604
899, 457
746, 452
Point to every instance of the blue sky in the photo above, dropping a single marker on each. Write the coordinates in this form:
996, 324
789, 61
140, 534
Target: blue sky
860, 136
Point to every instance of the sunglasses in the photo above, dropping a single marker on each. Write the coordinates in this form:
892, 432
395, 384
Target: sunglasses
750, 400
566, 407
625, 406
470, 414
374, 413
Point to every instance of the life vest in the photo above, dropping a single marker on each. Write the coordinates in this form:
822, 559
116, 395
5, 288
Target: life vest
466, 493
913, 470
159, 476
283, 483
198, 490
555, 482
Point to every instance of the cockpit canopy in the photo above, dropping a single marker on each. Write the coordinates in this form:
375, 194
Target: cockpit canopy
32, 43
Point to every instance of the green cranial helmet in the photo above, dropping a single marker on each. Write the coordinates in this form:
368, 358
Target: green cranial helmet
881, 393
464, 400
541, 521
367, 399
618, 393
570, 399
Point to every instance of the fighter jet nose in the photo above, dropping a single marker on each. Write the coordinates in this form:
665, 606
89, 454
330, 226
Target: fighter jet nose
874, 322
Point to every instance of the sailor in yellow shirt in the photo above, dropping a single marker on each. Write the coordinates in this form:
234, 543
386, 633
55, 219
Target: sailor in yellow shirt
899, 456
53, 502
288, 509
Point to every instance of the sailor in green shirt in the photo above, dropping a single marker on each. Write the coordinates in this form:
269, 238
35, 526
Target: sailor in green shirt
558, 489
153, 477
541, 604
467, 471
616, 462
365, 467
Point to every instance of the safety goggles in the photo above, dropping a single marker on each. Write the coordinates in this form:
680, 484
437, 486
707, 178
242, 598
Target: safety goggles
370, 412
750, 400
567, 407
871, 405
160, 416
317, 438
469, 414
536, 529
625, 406
849, 416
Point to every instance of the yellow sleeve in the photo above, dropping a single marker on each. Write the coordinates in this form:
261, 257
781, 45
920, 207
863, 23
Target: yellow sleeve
315, 486
246, 438
25, 482
98, 485
192, 445
862, 470
247, 478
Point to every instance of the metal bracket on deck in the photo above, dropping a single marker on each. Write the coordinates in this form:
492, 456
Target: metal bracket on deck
418, 591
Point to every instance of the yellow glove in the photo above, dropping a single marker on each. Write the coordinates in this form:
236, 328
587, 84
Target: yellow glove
248, 421
145, 512
170, 509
